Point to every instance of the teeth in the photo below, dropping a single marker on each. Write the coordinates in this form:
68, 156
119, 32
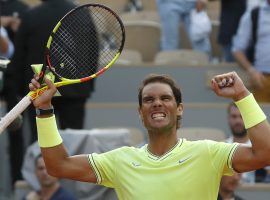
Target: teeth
158, 115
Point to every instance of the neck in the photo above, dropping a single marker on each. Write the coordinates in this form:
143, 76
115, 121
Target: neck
47, 192
241, 139
160, 143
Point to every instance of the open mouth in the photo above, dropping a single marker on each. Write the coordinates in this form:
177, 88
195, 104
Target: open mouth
158, 115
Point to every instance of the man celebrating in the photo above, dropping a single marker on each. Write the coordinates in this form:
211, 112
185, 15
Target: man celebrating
166, 167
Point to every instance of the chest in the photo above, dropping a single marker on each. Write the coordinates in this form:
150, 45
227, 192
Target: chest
168, 178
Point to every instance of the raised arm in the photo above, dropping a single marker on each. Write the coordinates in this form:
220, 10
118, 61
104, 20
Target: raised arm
57, 160
258, 155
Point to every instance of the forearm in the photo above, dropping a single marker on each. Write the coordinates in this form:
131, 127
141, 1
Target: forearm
50, 141
242, 60
54, 158
57, 160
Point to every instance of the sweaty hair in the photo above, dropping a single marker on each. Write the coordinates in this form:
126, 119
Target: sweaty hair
155, 78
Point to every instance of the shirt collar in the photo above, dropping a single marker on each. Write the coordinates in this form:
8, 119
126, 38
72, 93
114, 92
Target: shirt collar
165, 155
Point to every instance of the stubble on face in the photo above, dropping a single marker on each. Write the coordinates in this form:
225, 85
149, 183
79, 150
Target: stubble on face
159, 109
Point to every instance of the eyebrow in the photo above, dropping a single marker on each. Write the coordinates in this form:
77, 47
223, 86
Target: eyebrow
162, 96
147, 97
167, 95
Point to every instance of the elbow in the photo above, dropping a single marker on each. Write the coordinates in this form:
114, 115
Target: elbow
55, 171
264, 159
237, 53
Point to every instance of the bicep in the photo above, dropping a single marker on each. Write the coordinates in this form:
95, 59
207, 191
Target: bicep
60, 165
244, 159
80, 169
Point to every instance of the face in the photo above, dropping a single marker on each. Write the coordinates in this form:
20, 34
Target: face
44, 178
159, 110
236, 122
230, 183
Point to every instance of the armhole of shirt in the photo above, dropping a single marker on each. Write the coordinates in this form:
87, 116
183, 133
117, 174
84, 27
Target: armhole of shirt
94, 167
231, 154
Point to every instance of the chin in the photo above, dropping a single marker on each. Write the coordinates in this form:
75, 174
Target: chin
161, 127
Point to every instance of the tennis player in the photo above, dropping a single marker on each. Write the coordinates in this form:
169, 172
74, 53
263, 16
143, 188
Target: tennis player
167, 167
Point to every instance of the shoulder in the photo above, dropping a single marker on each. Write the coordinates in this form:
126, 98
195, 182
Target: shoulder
118, 153
126, 150
198, 147
194, 144
219, 145
197, 143
207, 145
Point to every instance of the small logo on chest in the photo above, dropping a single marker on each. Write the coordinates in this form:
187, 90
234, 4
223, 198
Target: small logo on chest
136, 164
184, 160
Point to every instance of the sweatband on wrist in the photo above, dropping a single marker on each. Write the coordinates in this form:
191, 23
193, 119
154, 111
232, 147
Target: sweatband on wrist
48, 135
251, 112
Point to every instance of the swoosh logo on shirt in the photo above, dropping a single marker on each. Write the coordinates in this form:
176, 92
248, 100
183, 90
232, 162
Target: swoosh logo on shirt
135, 164
183, 160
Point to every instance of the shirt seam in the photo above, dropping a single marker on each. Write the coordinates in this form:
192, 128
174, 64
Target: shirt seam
230, 156
95, 168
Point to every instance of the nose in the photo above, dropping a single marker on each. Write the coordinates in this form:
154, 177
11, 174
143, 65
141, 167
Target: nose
157, 103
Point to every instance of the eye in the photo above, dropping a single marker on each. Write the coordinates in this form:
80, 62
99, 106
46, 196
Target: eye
148, 100
166, 98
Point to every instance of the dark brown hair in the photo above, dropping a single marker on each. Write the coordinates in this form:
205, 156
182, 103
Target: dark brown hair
155, 78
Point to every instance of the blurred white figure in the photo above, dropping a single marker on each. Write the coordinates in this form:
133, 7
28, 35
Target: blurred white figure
6, 46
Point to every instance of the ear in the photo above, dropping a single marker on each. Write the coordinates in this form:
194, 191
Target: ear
180, 109
140, 113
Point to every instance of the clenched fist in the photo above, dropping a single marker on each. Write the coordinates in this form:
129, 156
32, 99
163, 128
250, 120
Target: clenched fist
229, 85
